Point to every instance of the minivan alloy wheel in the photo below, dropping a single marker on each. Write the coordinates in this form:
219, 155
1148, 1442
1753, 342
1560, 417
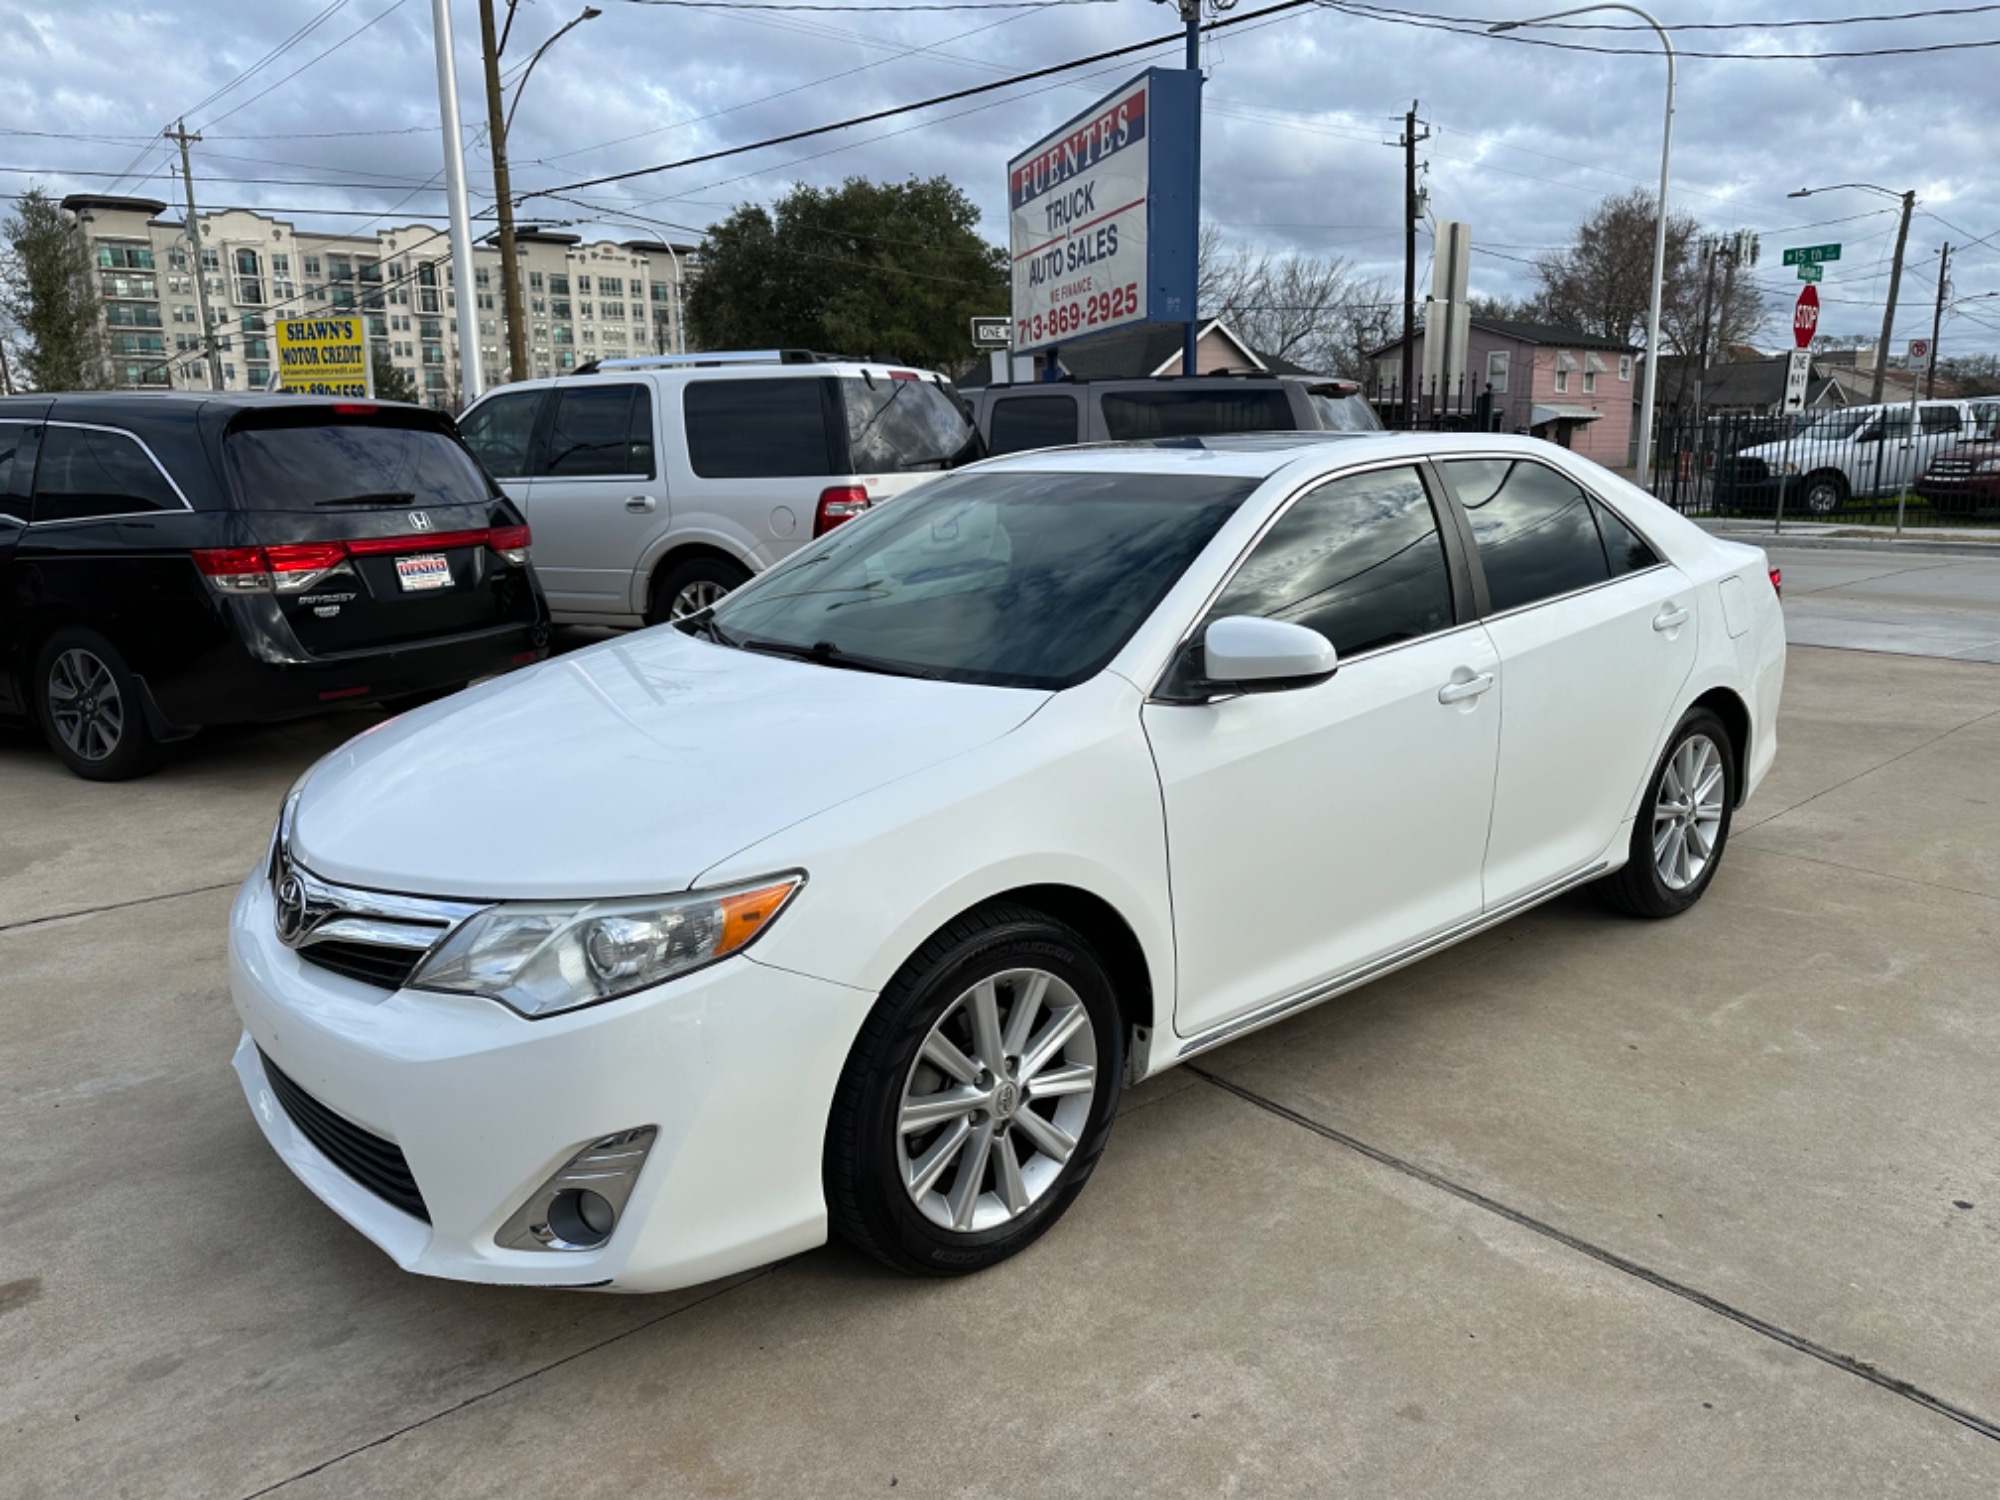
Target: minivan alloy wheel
1687, 815
85, 705
996, 1100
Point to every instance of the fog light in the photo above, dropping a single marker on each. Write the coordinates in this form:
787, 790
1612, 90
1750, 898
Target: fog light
578, 1208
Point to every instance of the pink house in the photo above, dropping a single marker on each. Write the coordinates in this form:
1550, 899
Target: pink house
1571, 387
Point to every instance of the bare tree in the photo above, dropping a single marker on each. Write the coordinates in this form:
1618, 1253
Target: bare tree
1308, 309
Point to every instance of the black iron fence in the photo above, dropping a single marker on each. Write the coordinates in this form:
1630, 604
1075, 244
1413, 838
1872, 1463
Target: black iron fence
1465, 404
1851, 468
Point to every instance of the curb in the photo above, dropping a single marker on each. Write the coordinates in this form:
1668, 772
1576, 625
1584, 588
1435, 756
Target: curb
1956, 546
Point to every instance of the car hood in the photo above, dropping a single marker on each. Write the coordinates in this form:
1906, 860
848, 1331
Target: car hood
624, 769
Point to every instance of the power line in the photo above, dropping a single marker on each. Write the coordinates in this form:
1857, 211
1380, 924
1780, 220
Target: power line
1804, 22
371, 22
269, 57
742, 5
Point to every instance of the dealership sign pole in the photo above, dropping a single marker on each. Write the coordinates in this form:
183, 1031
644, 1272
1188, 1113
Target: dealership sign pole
1102, 216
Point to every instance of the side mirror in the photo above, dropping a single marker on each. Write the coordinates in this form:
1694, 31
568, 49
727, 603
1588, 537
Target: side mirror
1256, 653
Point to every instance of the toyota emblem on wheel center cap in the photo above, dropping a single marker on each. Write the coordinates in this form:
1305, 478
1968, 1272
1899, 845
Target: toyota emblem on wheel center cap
291, 909
1006, 1099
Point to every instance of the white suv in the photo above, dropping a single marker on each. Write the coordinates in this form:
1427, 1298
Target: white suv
655, 485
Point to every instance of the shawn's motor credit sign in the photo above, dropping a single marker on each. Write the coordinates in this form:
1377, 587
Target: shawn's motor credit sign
1101, 214
324, 356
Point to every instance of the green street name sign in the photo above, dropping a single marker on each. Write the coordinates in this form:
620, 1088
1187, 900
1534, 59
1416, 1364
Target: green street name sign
1811, 255
1810, 272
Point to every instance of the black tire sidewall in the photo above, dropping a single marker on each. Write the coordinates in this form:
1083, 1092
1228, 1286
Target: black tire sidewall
1697, 721
136, 752
730, 575
914, 1003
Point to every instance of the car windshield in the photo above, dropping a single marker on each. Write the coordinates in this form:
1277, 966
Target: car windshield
1344, 413
900, 424
1011, 579
338, 464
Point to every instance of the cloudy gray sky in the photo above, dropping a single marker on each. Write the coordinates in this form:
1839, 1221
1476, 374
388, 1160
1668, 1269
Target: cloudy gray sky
1525, 138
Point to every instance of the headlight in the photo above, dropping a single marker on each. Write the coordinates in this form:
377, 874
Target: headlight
542, 957
1788, 469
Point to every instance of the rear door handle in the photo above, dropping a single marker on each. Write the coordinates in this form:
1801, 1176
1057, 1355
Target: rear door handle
1472, 687
1670, 618
639, 505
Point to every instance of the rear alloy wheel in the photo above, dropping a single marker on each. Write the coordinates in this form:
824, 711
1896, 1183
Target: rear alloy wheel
689, 588
1824, 495
978, 1096
90, 708
1683, 824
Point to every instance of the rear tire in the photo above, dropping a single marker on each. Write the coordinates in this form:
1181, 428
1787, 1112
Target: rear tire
688, 588
1683, 824
1001, 1038
91, 708
1823, 494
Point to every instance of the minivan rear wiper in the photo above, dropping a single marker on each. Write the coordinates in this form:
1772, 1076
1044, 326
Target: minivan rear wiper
826, 654
380, 497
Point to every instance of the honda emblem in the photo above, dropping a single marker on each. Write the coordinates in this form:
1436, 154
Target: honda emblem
419, 521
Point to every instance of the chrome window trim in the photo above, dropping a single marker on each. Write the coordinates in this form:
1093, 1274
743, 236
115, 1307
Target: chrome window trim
1375, 968
144, 448
1416, 465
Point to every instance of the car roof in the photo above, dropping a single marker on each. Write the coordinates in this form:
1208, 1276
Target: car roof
170, 406
1261, 454
814, 370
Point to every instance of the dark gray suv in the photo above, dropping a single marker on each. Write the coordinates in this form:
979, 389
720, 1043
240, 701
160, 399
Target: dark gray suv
1052, 414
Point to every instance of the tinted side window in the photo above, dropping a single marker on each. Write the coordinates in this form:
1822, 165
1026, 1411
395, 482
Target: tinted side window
86, 471
1357, 559
1022, 422
1938, 418
1130, 415
592, 436
757, 429
1624, 548
498, 430
17, 470
1533, 528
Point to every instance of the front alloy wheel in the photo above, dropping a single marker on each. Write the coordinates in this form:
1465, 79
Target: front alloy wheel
1823, 495
977, 1097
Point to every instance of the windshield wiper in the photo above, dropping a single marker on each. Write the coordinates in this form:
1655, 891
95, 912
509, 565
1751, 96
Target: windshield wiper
702, 623
380, 497
826, 654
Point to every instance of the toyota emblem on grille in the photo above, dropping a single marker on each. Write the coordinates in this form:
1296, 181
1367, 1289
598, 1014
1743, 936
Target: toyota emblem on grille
420, 521
292, 910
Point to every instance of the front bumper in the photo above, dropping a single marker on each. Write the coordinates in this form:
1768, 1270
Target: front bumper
735, 1064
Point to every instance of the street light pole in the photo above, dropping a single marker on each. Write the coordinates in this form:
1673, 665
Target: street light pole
1191, 13
499, 122
1909, 201
1653, 350
469, 373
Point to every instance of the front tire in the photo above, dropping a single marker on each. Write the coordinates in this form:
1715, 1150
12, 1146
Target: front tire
1683, 823
91, 709
978, 1096
1824, 494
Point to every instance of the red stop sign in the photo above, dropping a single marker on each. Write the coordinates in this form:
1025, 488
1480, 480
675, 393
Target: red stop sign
1805, 316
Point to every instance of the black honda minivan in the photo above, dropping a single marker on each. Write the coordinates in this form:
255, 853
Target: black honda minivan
173, 560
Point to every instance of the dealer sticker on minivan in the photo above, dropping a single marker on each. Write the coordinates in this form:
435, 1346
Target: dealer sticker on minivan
425, 570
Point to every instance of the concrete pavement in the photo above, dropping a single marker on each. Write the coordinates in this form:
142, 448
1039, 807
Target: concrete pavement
1893, 599
1584, 1207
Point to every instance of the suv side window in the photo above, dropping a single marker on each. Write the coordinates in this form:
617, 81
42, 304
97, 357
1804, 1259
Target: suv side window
759, 429
91, 471
1357, 559
600, 431
17, 470
499, 430
1533, 528
1938, 418
1022, 422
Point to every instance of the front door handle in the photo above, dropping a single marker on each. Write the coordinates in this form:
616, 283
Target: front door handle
1472, 687
1670, 618
640, 505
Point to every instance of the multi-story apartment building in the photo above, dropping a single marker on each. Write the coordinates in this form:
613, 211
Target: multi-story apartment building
583, 301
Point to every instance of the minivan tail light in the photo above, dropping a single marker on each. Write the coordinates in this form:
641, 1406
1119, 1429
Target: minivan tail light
837, 503
288, 567
511, 542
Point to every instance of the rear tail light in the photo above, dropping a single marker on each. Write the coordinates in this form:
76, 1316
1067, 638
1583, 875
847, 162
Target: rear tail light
290, 567
511, 542
1778, 582
837, 503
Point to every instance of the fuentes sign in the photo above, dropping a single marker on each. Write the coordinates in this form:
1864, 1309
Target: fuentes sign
1101, 214
324, 356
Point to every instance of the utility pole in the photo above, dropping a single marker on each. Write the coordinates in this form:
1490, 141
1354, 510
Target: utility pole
180, 133
1409, 145
1710, 249
1889, 312
503, 193
1937, 321
1191, 13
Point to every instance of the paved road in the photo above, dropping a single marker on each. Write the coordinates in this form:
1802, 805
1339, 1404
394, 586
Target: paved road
1586, 1207
1905, 602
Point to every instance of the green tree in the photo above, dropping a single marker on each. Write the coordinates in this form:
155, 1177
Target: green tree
878, 270
392, 384
49, 292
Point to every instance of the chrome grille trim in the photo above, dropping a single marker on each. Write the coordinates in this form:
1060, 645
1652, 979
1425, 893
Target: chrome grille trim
393, 931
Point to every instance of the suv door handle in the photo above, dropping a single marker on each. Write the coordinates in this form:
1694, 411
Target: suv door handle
1670, 618
639, 505
1472, 687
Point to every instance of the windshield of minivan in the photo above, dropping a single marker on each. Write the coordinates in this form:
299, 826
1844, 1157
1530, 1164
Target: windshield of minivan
895, 426
1010, 579
354, 464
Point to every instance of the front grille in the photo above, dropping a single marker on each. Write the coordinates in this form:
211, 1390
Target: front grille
376, 1164
371, 963
1740, 470
1951, 466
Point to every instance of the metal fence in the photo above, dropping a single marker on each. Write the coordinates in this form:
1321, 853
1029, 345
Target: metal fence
1865, 467
1461, 405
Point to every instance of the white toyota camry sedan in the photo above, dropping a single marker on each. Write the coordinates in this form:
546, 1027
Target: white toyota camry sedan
853, 903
